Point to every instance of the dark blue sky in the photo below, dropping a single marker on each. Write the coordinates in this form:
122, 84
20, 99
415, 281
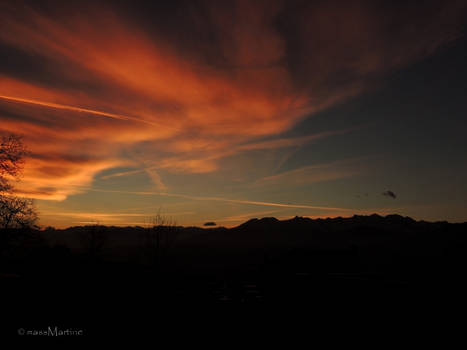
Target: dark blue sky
413, 127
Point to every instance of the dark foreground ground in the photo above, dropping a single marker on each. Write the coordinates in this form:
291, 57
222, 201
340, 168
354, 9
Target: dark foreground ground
134, 281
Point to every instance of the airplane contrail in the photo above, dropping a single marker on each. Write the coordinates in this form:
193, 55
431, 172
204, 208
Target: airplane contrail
79, 109
199, 198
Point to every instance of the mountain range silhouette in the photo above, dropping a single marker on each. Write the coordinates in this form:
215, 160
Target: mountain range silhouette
363, 244
328, 264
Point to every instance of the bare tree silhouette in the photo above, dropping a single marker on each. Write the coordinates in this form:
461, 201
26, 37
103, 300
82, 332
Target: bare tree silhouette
15, 212
159, 239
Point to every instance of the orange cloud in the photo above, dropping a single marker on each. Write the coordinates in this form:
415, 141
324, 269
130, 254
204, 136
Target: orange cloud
57, 177
102, 87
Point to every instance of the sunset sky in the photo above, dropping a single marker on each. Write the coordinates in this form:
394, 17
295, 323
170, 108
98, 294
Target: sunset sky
227, 110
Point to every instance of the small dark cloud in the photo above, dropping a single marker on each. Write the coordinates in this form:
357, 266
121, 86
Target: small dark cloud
210, 223
389, 193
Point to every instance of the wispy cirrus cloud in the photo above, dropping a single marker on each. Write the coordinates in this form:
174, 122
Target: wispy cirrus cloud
316, 173
183, 94
207, 160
